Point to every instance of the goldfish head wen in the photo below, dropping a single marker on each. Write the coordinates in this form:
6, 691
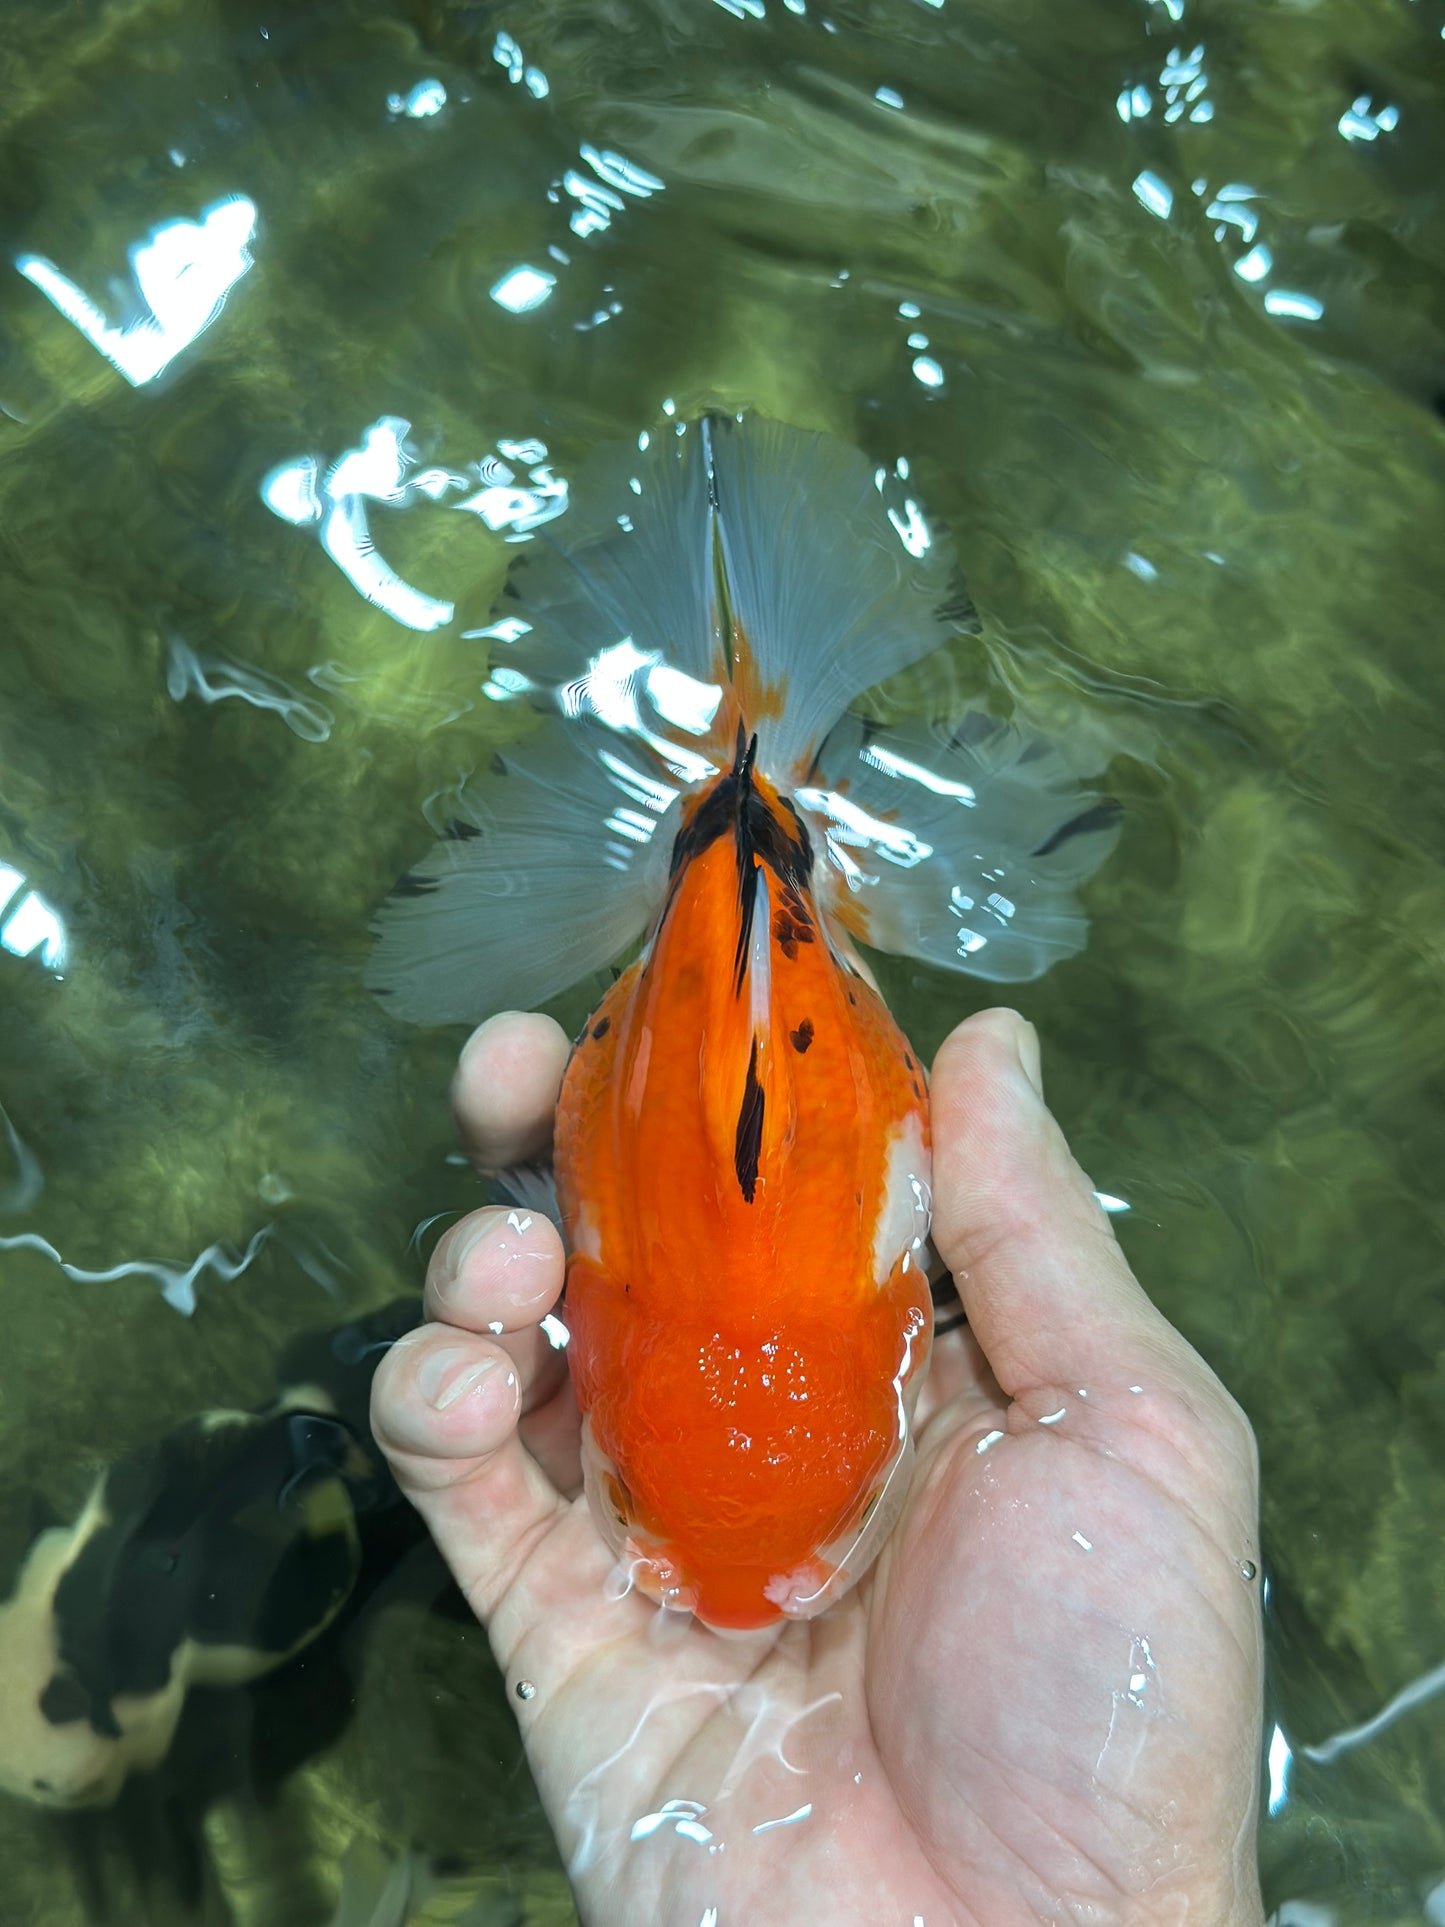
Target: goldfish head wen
763, 1470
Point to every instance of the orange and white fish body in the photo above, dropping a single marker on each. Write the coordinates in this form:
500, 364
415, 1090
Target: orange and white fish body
742, 1149
742, 1162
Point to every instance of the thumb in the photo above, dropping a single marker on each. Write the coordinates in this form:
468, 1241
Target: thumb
1048, 1292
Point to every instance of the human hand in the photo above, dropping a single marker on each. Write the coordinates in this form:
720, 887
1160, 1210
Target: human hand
1043, 1703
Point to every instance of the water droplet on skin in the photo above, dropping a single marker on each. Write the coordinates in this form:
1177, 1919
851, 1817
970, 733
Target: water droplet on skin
1248, 1569
526, 1690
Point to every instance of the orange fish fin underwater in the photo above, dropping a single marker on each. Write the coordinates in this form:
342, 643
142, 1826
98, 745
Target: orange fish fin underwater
551, 864
963, 849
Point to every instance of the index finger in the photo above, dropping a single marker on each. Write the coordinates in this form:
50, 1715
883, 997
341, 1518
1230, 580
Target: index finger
505, 1089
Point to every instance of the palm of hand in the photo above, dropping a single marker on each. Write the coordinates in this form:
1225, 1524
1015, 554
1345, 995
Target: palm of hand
1041, 1705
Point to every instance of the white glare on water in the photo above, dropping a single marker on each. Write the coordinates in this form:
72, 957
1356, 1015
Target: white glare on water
1298, 307
427, 98
384, 469
508, 53
523, 289
32, 926
184, 272
1280, 1760
35, 926
1154, 194
178, 1286
1362, 122
600, 198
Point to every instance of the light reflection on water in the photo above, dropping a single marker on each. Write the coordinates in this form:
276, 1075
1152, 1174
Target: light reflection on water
183, 274
1137, 303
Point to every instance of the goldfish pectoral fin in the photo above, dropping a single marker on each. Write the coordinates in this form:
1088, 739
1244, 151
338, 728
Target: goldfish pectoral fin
532, 1187
549, 868
963, 850
833, 579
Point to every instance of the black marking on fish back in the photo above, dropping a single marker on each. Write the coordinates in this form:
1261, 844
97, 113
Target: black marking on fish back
748, 1141
1100, 816
734, 808
792, 924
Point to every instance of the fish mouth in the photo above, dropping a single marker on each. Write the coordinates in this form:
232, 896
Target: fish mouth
743, 1597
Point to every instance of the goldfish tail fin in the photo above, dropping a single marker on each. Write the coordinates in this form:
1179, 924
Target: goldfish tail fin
723, 572
964, 850
833, 581
546, 870
621, 584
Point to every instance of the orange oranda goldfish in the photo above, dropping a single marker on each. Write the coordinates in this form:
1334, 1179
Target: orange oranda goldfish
742, 1152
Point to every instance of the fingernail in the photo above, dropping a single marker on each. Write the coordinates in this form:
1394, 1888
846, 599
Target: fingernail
445, 1376
1026, 1042
464, 1243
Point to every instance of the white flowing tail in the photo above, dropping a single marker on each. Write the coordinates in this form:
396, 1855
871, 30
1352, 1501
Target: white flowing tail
725, 573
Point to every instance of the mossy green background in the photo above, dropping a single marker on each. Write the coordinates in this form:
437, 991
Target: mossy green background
1251, 1050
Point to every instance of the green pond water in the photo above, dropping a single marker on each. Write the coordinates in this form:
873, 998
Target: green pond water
1172, 380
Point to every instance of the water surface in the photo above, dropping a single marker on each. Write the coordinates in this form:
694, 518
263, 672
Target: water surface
1148, 296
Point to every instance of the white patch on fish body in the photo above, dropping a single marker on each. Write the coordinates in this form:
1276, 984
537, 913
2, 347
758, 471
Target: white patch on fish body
638, 1082
760, 971
586, 1239
906, 1214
